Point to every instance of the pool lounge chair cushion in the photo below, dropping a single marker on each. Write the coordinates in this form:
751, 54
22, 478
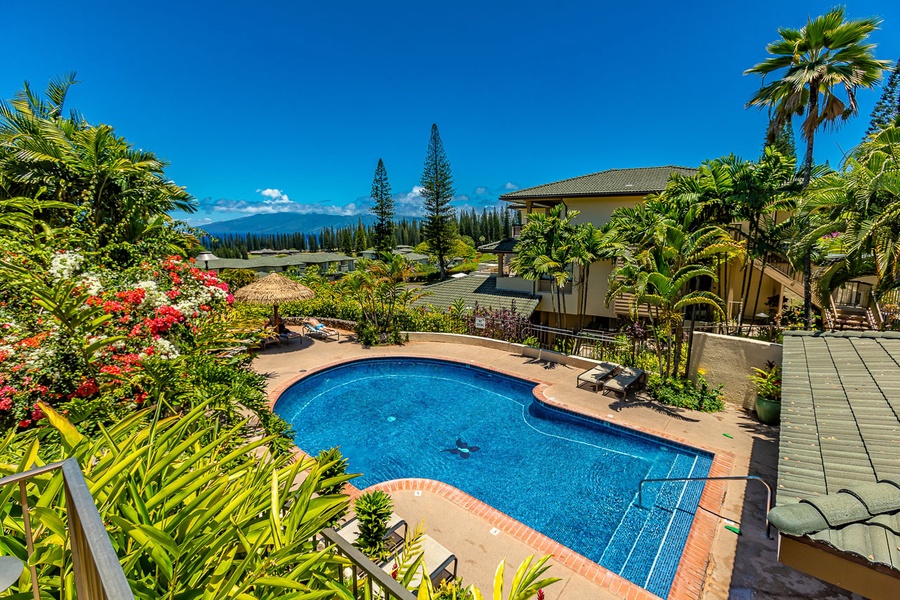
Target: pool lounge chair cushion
441, 563
626, 379
595, 377
322, 332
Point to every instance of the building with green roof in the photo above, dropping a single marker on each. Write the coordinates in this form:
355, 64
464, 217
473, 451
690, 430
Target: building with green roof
838, 495
595, 197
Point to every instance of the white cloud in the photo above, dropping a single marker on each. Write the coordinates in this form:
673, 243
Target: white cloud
274, 196
510, 186
480, 190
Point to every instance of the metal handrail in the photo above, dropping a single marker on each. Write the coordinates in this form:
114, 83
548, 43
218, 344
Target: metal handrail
728, 478
98, 574
372, 571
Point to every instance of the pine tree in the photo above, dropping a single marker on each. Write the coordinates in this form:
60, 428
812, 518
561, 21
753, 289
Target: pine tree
383, 210
360, 242
784, 140
887, 110
437, 190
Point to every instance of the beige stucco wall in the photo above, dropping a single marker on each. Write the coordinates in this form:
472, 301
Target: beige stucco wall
728, 360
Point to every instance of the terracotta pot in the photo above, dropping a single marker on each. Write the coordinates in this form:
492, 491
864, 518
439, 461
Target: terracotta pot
768, 411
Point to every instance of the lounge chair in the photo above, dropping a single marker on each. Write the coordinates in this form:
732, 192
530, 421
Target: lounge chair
441, 563
624, 380
594, 378
321, 332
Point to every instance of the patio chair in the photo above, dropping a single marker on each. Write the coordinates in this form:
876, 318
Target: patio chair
594, 378
625, 380
441, 563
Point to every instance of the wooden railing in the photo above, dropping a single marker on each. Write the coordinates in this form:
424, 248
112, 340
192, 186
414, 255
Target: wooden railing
98, 574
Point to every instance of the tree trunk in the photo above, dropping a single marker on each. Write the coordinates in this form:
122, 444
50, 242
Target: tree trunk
812, 113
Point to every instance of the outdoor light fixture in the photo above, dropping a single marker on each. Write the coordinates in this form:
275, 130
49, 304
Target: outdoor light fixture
206, 257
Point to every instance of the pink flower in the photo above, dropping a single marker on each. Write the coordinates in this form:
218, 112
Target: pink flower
37, 414
6, 404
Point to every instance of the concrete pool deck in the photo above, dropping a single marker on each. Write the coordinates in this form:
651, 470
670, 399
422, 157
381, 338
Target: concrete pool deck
740, 567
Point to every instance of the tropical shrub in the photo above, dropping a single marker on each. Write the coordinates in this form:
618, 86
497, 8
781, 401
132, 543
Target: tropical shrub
768, 382
682, 393
237, 278
373, 511
187, 518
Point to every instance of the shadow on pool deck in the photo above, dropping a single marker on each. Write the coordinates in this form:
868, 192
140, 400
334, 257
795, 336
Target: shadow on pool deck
741, 567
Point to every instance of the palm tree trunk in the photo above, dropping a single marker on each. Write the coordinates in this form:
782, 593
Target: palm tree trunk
812, 113
759, 287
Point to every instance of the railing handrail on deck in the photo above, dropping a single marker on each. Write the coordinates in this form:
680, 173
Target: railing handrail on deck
373, 572
98, 574
726, 478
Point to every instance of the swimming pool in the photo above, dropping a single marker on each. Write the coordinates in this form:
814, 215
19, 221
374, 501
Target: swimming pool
572, 478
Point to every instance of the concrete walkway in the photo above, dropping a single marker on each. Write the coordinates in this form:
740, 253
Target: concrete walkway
740, 567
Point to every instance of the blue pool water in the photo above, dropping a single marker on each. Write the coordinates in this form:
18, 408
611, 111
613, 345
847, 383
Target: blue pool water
571, 478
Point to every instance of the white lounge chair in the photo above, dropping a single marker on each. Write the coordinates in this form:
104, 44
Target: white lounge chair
624, 380
321, 332
594, 378
440, 562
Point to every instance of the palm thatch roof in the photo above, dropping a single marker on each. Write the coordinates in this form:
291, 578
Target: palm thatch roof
273, 289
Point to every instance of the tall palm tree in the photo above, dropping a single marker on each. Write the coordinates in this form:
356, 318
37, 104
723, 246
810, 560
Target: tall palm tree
545, 250
862, 204
812, 63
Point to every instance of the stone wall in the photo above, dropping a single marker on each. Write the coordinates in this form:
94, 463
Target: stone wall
728, 360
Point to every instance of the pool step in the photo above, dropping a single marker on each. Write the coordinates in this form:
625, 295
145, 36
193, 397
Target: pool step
651, 561
620, 545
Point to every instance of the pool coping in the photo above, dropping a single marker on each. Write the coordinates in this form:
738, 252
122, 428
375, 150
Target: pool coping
690, 574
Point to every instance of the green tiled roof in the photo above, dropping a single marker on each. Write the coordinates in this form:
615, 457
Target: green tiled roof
312, 258
614, 182
507, 245
480, 289
838, 458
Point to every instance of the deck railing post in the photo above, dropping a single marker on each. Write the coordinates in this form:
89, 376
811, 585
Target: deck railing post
29, 540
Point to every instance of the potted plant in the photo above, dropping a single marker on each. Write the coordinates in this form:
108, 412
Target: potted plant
768, 393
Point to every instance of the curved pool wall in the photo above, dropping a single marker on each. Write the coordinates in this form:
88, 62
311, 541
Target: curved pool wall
570, 477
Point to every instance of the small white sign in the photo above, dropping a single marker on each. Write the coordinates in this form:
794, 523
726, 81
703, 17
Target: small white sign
494, 531
417, 493
480, 323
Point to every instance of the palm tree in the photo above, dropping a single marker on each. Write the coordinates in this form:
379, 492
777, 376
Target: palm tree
862, 204
122, 193
545, 250
812, 63
674, 249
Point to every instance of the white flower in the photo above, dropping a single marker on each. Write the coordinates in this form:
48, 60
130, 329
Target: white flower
91, 284
9, 350
165, 348
64, 265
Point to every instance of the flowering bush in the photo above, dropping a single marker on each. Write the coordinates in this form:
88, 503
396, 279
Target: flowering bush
91, 342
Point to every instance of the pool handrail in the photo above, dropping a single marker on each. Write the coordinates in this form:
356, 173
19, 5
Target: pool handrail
725, 478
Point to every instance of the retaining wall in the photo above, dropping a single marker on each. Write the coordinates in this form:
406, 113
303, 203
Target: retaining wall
482, 342
728, 360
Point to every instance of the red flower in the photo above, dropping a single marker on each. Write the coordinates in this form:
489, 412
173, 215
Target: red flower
6, 404
540, 595
111, 370
87, 388
37, 414
140, 398
24, 423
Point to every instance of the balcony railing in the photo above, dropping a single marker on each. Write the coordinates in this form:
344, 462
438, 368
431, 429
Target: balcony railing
98, 574
365, 576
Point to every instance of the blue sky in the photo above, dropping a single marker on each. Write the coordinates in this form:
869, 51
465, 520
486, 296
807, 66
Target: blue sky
270, 106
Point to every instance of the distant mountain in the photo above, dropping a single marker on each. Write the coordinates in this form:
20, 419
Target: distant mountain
285, 222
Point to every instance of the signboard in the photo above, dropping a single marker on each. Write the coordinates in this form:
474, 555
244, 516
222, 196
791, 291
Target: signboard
480, 323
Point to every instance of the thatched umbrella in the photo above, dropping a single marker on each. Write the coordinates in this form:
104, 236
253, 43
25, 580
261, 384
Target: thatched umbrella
274, 289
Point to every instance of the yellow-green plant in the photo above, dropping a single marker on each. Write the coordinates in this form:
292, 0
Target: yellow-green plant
188, 518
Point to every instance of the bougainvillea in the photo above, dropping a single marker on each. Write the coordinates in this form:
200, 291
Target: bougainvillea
154, 312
